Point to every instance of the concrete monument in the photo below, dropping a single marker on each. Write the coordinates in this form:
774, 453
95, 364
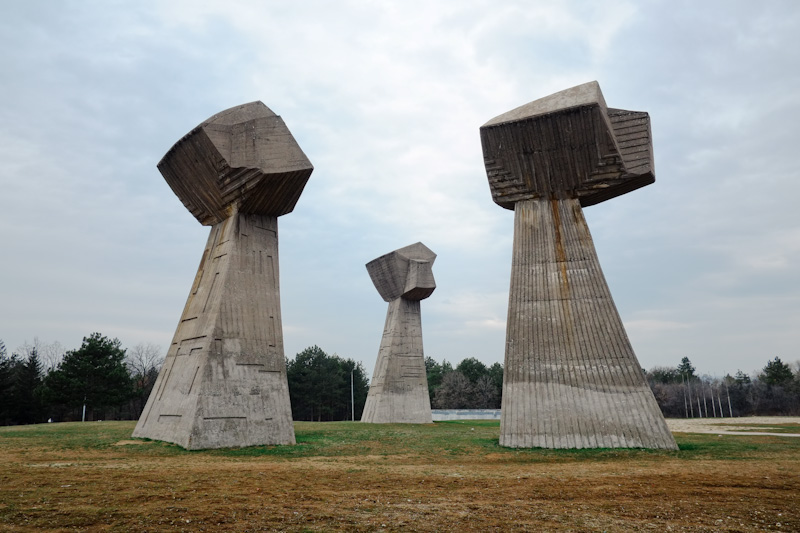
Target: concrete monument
571, 377
223, 382
398, 392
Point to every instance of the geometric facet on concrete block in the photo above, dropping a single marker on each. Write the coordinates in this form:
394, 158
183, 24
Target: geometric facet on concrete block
223, 382
398, 392
570, 144
244, 156
571, 378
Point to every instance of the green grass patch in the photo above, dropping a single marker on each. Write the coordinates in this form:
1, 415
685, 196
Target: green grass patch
764, 428
438, 442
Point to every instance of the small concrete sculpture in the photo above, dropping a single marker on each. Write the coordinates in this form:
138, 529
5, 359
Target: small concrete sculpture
571, 377
223, 383
399, 389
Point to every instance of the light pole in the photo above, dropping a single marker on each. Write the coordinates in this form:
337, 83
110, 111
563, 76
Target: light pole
352, 402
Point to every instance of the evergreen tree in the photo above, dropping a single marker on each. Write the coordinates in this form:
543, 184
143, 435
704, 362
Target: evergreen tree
26, 388
777, 373
664, 375
496, 373
435, 374
686, 369
319, 386
360, 384
472, 369
8, 367
94, 375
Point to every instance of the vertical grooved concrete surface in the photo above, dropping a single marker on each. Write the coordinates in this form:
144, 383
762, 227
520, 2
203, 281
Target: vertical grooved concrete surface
572, 379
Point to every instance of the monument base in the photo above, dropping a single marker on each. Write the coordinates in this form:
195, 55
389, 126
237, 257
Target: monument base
223, 383
399, 389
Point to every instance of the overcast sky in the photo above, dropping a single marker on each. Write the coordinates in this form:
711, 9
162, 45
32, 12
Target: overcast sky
386, 100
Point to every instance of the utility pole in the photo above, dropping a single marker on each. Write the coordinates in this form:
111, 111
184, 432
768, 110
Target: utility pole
685, 404
705, 404
352, 401
713, 407
727, 390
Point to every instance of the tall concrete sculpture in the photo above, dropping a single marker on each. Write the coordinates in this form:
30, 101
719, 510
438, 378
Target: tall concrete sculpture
223, 382
571, 377
398, 392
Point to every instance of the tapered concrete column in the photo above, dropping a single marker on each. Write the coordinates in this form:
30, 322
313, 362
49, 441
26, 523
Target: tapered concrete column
223, 383
398, 392
571, 377
399, 389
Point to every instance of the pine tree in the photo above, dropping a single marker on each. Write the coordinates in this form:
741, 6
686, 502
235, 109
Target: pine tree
319, 386
8, 367
777, 373
472, 369
94, 375
686, 369
26, 388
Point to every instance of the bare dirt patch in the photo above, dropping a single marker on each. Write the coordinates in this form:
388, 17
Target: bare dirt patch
736, 426
351, 477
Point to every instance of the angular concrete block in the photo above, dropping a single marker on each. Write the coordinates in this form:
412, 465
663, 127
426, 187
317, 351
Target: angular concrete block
569, 143
571, 378
243, 156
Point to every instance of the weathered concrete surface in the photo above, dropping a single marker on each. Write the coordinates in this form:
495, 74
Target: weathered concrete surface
584, 149
398, 392
223, 383
571, 377
244, 156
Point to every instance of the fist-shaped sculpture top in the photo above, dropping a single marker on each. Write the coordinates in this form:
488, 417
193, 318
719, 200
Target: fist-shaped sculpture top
242, 159
568, 144
406, 273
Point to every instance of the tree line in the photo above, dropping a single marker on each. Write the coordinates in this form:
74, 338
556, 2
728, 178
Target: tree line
101, 380
681, 393
469, 385
321, 386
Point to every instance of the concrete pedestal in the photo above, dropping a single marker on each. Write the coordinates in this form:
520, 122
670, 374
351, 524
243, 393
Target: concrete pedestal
571, 377
224, 379
399, 388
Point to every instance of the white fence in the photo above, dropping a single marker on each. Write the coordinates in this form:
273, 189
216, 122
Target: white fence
440, 415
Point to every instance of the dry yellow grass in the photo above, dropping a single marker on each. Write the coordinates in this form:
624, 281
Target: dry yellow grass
358, 477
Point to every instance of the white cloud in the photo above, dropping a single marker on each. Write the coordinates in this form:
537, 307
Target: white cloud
386, 100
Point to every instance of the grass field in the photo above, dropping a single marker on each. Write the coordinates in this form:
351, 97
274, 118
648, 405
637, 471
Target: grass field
447, 476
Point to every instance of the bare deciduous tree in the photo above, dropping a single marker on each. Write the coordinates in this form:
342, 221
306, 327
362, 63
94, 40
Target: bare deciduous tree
49, 353
456, 392
486, 396
143, 362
